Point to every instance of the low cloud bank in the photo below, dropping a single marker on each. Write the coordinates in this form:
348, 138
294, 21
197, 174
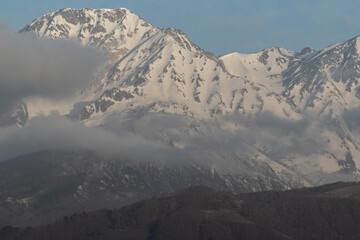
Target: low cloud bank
42, 67
165, 137
236, 144
57, 132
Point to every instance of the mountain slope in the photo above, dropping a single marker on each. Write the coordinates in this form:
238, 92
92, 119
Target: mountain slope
152, 70
155, 69
323, 86
153, 76
18, 115
326, 83
201, 213
265, 67
42, 187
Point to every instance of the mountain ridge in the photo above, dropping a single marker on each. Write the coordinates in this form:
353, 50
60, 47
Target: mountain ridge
240, 115
276, 119
178, 42
162, 71
325, 212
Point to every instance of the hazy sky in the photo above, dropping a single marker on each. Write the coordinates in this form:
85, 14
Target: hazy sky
223, 26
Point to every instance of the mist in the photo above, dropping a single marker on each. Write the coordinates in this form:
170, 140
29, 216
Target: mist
229, 141
166, 137
58, 132
234, 144
285, 136
43, 67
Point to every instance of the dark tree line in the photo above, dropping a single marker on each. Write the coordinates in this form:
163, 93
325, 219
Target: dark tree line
329, 212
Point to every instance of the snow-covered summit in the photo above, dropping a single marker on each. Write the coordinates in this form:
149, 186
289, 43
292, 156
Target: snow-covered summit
264, 67
328, 81
155, 69
117, 30
161, 71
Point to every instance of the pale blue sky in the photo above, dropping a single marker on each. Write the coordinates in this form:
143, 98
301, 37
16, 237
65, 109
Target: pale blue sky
223, 26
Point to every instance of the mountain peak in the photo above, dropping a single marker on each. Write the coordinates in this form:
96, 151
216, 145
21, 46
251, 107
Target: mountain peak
162, 71
85, 23
100, 10
357, 43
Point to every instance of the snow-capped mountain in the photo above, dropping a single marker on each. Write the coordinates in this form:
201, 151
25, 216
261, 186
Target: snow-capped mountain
152, 70
323, 86
245, 122
160, 70
265, 67
326, 82
318, 82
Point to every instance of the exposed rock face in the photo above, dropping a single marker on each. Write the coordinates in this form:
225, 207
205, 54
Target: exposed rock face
108, 99
17, 116
327, 82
